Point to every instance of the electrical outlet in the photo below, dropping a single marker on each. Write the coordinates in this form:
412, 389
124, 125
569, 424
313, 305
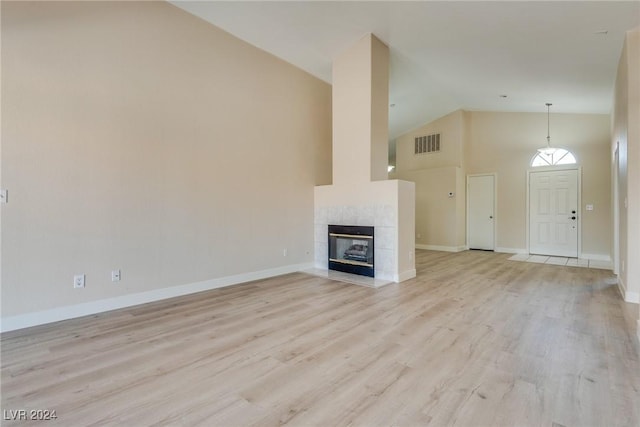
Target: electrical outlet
115, 276
78, 281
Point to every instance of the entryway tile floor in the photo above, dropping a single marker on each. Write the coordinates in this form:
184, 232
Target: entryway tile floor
571, 262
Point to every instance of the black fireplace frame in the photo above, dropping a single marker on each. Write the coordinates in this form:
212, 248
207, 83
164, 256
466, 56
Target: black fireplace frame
355, 231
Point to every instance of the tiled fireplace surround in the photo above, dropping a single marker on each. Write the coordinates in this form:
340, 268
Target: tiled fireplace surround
382, 217
388, 206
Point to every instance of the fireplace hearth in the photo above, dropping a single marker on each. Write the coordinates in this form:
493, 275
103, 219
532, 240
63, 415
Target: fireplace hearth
351, 249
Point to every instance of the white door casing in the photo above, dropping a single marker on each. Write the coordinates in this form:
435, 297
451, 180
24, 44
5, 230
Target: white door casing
616, 211
481, 212
553, 213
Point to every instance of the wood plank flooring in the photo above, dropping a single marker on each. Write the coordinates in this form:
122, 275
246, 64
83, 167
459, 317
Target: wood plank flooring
474, 340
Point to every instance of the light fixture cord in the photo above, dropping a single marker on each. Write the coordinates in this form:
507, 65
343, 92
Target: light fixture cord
548, 133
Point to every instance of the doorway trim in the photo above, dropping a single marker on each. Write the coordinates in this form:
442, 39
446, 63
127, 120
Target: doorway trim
616, 211
553, 169
495, 207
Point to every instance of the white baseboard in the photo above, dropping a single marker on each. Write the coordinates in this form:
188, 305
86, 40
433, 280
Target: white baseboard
405, 275
442, 248
638, 333
596, 257
511, 250
72, 311
632, 297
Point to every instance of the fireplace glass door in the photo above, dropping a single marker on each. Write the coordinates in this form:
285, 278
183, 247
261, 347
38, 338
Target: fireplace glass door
351, 249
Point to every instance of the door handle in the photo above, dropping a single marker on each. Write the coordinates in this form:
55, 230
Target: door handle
573, 217
490, 216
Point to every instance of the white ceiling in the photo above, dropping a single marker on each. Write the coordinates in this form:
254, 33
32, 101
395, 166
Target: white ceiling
449, 55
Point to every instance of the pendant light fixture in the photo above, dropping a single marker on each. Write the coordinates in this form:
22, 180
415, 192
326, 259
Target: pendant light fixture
548, 150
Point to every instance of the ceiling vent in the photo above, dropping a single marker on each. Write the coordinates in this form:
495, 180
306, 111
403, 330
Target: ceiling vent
427, 144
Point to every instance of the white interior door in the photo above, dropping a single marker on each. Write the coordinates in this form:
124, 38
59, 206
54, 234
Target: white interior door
481, 203
553, 213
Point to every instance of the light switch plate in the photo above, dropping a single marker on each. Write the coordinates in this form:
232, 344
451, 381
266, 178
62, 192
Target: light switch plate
589, 207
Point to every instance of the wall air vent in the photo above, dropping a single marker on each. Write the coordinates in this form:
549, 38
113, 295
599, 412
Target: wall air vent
427, 144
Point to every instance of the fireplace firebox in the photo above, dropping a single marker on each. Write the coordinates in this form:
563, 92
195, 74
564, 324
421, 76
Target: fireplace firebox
351, 249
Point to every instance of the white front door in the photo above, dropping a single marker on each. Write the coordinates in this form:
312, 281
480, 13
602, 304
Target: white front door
481, 202
553, 213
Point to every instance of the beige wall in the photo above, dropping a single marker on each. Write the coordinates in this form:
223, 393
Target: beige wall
440, 220
360, 112
504, 143
136, 136
437, 219
626, 137
451, 130
379, 109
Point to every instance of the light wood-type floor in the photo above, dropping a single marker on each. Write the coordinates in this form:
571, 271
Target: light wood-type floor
474, 340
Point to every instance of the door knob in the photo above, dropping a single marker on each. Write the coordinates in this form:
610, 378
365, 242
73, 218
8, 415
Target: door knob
490, 216
573, 217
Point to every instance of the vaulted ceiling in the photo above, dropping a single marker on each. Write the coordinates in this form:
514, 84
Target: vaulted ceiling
447, 55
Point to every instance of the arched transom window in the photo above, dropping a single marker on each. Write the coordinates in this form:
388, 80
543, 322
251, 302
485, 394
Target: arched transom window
559, 156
